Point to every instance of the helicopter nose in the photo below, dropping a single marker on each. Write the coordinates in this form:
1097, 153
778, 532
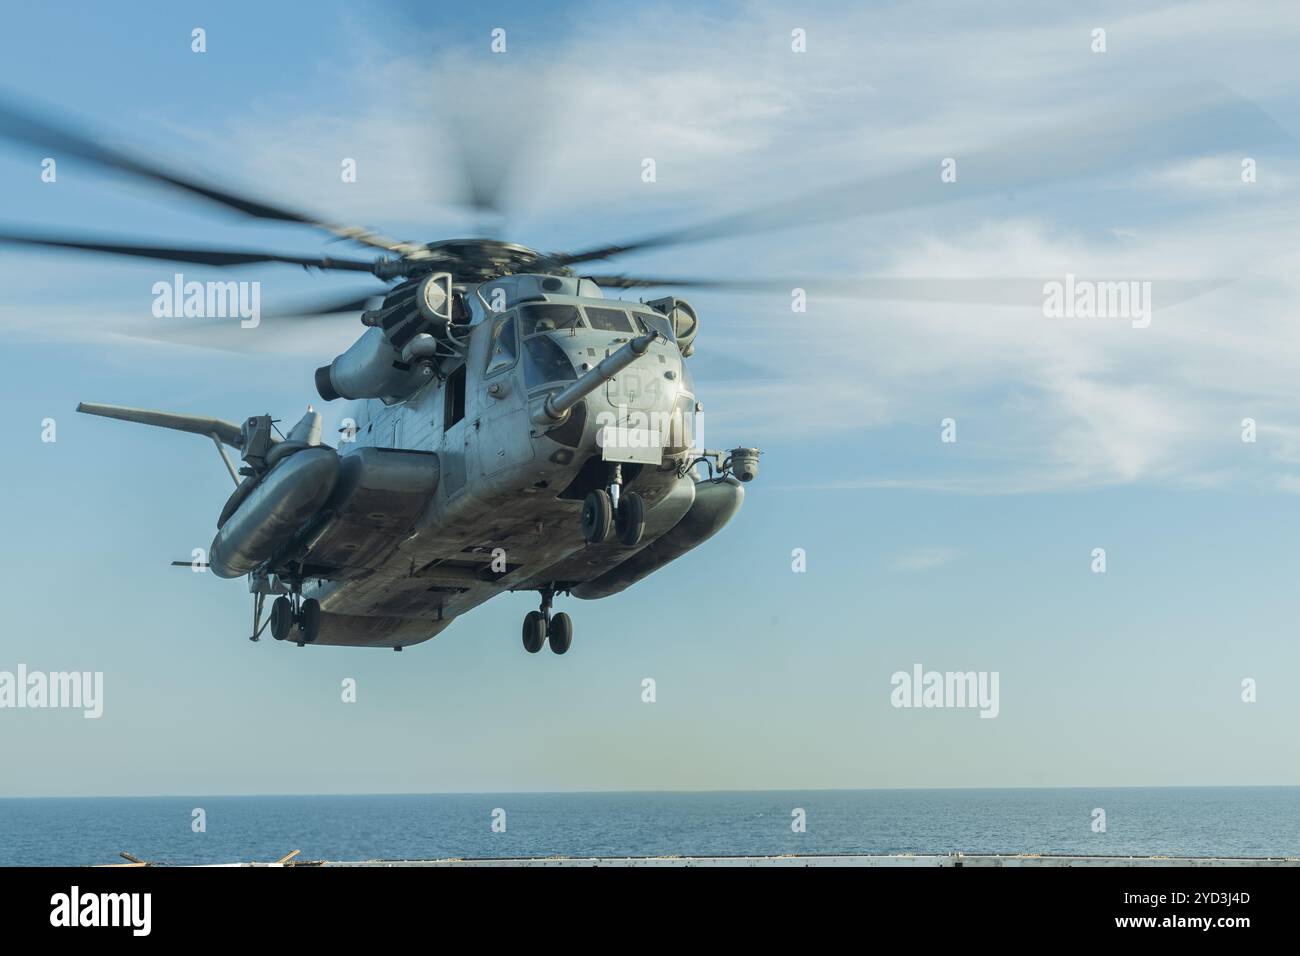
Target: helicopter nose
645, 413
650, 384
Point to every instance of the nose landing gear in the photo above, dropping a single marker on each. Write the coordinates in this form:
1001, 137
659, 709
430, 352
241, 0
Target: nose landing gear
541, 628
606, 510
629, 521
597, 516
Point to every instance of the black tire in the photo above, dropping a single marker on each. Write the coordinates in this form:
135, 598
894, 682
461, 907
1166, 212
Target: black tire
597, 517
560, 633
281, 618
630, 521
534, 631
309, 620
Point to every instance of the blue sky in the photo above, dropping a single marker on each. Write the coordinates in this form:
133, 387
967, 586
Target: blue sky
967, 556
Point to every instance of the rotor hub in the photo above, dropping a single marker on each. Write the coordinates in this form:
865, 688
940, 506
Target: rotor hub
480, 260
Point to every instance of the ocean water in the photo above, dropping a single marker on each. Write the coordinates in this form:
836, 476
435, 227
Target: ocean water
1171, 821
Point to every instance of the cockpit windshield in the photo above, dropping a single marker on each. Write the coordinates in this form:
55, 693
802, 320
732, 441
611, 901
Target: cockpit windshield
548, 318
609, 320
554, 316
545, 362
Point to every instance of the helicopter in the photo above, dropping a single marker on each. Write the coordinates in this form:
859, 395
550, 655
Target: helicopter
513, 428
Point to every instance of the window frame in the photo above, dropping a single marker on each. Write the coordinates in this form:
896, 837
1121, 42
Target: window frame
577, 309
627, 314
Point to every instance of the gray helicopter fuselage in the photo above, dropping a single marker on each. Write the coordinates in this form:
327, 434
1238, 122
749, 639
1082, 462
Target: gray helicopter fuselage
510, 483
495, 422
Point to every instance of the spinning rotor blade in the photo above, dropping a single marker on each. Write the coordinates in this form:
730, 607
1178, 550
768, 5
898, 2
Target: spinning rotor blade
734, 285
486, 173
23, 127
1147, 130
356, 301
1000, 291
207, 257
492, 156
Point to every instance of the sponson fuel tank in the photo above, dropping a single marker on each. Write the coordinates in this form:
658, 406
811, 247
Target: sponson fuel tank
267, 515
716, 502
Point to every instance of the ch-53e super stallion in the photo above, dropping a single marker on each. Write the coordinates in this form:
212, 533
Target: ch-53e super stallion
514, 429
514, 433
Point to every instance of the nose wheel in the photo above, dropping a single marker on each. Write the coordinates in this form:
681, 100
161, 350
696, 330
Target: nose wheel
601, 517
597, 516
629, 520
540, 627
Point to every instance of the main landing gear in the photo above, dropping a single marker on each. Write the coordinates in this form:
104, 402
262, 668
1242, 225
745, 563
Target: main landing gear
540, 627
606, 510
293, 610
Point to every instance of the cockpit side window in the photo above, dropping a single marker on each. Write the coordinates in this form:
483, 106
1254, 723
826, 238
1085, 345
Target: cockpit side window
548, 318
454, 398
608, 320
502, 350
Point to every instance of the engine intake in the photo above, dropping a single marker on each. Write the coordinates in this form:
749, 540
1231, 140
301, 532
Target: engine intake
685, 320
375, 366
